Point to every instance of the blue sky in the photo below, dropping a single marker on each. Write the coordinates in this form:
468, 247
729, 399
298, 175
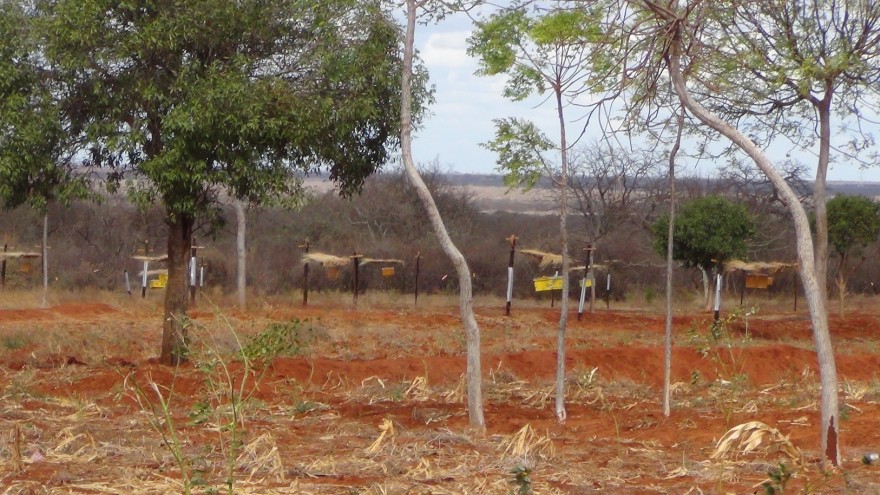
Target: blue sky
466, 104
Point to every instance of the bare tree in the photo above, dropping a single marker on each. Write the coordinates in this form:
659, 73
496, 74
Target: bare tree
466, 303
608, 186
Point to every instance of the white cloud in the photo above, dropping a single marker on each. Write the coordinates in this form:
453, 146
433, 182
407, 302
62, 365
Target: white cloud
447, 50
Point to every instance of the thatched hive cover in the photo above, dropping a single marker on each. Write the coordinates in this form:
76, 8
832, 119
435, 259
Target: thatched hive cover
757, 266
550, 259
18, 255
151, 259
327, 260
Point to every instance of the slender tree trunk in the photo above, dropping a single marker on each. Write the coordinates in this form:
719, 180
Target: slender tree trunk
472, 330
817, 303
174, 329
45, 260
823, 108
670, 266
707, 292
566, 262
841, 283
241, 255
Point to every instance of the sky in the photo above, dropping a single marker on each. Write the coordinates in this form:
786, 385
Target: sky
461, 118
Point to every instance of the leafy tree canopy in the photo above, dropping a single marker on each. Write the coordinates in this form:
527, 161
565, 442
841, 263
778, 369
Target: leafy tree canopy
34, 148
852, 221
194, 98
708, 231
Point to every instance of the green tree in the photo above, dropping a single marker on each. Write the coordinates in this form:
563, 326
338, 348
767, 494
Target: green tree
35, 148
853, 222
185, 101
708, 231
546, 53
702, 48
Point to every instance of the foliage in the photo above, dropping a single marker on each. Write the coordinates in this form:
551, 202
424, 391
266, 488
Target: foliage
522, 480
279, 339
520, 146
204, 97
35, 148
708, 231
540, 53
852, 221
777, 478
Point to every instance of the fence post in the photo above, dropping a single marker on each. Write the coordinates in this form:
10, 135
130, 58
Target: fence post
192, 273
512, 240
146, 268
356, 260
305, 246
418, 266
3, 268
590, 250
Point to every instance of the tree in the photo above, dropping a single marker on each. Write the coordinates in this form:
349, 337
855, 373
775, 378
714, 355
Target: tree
708, 232
673, 35
543, 54
853, 221
466, 303
36, 165
608, 186
792, 63
184, 101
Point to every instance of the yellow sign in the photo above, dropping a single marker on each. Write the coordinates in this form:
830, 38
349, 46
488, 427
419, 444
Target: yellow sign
547, 283
586, 282
160, 282
758, 281
387, 271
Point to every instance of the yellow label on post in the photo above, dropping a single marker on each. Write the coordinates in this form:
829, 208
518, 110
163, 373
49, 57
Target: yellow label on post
547, 283
387, 271
586, 282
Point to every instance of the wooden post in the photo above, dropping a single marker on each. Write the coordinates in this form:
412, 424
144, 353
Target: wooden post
717, 296
795, 290
416, 290
3, 268
305, 247
356, 260
146, 267
192, 273
512, 241
592, 276
127, 282
583, 296
45, 260
608, 288
742, 289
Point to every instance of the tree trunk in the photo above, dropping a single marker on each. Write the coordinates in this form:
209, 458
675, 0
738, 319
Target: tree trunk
841, 283
823, 108
707, 300
830, 419
174, 329
241, 255
45, 258
472, 330
566, 262
670, 266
